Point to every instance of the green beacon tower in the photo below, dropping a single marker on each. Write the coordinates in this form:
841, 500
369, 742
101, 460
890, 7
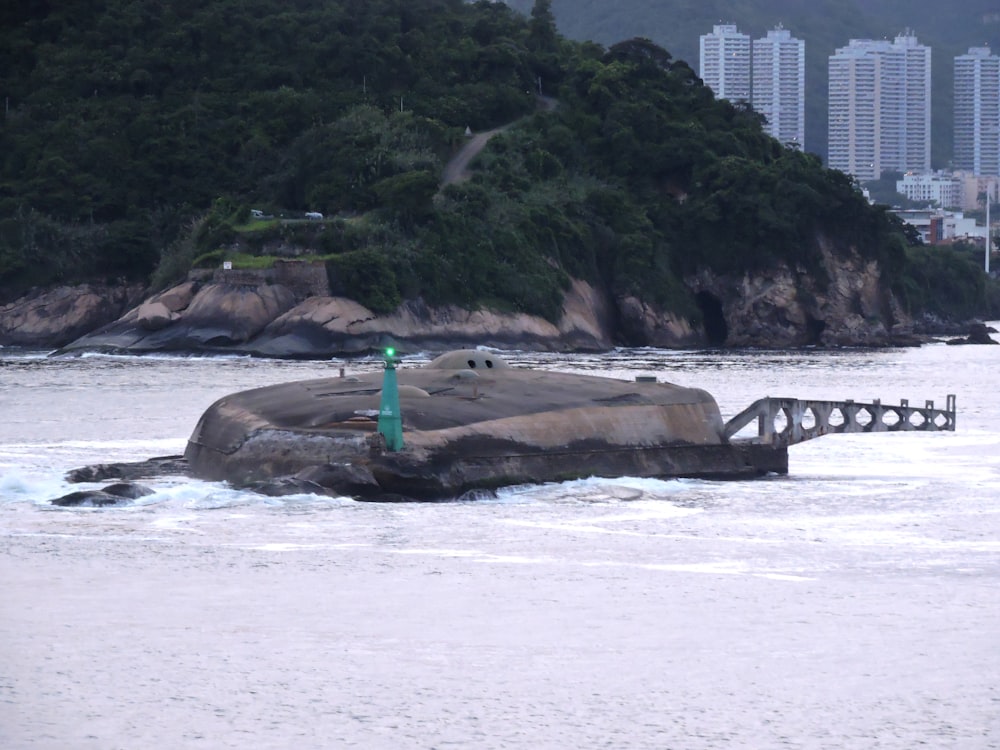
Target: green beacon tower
390, 421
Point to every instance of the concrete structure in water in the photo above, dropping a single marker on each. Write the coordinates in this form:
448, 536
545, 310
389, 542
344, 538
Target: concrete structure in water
469, 421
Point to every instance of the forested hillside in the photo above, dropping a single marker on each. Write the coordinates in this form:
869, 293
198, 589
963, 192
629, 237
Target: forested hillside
137, 135
125, 118
948, 28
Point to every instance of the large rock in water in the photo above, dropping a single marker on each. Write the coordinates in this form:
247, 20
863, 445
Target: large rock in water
469, 422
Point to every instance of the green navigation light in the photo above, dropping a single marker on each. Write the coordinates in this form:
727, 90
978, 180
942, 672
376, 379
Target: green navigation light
390, 421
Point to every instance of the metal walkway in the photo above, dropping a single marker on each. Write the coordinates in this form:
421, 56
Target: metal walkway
787, 421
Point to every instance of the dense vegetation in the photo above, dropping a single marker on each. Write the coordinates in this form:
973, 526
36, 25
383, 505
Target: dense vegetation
138, 135
949, 28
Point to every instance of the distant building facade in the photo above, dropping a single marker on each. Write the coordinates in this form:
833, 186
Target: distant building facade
977, 112
945, 190
880, 107
779, 85
974, 186
937, 227
960, 190
724, 62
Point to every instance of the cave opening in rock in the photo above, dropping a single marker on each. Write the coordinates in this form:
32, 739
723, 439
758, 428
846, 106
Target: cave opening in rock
716, 330
814, 330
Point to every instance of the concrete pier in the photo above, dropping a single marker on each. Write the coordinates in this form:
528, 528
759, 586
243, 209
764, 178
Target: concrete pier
787, 421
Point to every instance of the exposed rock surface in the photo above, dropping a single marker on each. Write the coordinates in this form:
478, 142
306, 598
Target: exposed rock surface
332, 325
58, 315
643, 324
193, 317
154, 467
933, 326
788, 308
152, 316
271, 320
288, 312
324, 479
979, 333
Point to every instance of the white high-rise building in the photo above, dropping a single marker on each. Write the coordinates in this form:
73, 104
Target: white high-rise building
977, 112
779, 85
880, 107
942, 188
725, 63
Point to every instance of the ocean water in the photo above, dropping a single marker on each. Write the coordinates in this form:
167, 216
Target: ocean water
854, 603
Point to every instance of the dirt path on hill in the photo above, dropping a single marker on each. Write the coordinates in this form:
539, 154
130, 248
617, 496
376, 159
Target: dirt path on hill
457, 169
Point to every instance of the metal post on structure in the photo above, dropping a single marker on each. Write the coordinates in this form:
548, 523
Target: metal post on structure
390, 420
989, 194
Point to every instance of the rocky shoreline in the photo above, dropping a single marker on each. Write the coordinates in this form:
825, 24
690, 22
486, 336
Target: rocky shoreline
287, 313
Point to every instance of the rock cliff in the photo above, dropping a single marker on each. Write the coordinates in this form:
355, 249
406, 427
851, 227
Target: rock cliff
278, 314
270, 319
789, 307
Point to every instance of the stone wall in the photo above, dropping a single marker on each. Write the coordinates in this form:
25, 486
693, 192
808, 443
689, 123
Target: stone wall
303, 278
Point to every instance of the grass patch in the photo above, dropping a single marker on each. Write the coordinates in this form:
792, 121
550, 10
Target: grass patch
257, 225
247, 262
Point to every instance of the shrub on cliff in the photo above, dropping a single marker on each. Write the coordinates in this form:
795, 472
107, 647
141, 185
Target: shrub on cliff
947, 282
365, 276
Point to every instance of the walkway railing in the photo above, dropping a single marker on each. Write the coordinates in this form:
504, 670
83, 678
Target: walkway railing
787, 421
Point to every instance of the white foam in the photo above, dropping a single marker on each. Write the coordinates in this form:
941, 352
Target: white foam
157, 446
440, 552
162, 357
728, 568
515, 560
176, 523
598, 489
26, 486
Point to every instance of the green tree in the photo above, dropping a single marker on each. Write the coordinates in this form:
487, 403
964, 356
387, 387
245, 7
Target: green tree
542, 35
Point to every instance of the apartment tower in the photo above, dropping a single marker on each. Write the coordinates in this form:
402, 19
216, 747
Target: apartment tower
880, 107
977, 112
779, 85
725, 63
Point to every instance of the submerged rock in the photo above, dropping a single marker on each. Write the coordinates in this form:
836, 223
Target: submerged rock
284, 486
979, 333
160, 466
119, 493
